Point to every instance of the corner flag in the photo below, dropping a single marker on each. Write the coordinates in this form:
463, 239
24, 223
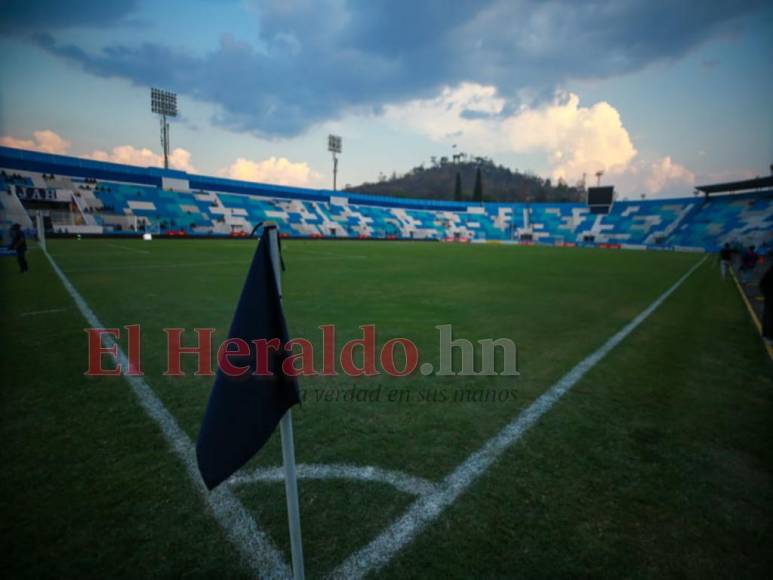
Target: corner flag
243, 411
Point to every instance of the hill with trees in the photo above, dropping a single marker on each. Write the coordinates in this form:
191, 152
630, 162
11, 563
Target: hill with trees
466, 178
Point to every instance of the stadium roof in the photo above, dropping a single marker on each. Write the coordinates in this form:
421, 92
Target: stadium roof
23, 160
746, 184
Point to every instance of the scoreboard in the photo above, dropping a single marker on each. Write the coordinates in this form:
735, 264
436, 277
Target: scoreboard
600, 199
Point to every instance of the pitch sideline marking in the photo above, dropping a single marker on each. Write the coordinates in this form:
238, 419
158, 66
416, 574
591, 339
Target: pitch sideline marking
255, 545
397, 479
427, 508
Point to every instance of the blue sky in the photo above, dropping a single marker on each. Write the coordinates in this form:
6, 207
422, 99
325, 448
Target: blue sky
658, 95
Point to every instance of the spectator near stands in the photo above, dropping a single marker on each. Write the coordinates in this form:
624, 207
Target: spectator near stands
19, 245
725, 260
766, 285
748, 261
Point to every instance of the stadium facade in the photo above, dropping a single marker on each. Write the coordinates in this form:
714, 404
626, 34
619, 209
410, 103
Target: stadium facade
78, 196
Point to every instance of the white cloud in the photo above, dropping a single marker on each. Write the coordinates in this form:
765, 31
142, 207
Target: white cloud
439, 117
48, 141
278, 170
574, 139
45, 141
144, 157
578, 139
664, 175
660, 178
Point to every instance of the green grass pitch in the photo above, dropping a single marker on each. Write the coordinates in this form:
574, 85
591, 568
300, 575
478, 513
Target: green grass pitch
658, 463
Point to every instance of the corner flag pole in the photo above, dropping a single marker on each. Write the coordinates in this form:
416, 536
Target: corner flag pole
286, 431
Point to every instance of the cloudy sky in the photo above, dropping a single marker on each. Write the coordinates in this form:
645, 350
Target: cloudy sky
659, 95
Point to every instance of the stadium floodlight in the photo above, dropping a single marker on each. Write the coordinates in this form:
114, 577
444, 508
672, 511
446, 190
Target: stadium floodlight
164, 103
334, 146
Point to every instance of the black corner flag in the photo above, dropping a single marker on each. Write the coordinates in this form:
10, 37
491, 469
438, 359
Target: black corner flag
243, 411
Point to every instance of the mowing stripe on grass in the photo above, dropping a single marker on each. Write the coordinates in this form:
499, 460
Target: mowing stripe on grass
128, 249
304, 252
145, 266
427, 508
256, 547
397, 479
38, 312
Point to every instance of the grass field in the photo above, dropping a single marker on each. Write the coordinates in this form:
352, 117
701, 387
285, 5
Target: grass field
657, 463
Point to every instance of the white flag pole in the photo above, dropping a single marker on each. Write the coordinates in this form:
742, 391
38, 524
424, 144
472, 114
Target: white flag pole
286, 431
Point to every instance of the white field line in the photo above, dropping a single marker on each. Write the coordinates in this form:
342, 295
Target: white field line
397, 479
37, 312
256, 547
427, 508
128, 249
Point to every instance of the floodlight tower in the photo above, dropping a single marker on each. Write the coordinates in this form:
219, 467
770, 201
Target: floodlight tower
164, 103
599, 173
334, 146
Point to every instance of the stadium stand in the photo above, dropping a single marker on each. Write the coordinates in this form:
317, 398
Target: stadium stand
744, 217
90, 197
11, 209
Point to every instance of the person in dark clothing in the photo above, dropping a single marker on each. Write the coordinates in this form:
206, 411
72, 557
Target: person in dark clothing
766, 285
19, 245
725, 260
748, 262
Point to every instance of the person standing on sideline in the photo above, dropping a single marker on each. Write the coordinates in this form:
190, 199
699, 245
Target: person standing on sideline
748, 261
725, 260
766, 285
19, 245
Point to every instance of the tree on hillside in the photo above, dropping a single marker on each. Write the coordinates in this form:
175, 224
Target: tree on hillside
443, 180
458, 187
478, 192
